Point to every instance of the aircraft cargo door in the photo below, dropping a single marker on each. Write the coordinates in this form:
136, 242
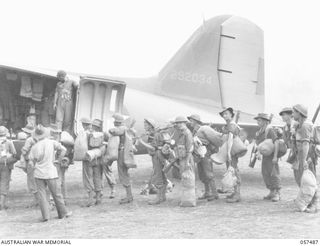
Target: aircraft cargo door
241, 65
99, 99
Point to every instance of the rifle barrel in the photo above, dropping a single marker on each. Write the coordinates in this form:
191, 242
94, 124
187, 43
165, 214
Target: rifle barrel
315, 116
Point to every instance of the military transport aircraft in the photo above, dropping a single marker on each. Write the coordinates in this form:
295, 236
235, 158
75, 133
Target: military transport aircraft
220, 65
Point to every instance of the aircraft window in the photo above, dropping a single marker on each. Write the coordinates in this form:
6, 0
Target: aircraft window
113, 100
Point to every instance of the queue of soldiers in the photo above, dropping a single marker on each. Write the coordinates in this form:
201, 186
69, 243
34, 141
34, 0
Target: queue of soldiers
180, 145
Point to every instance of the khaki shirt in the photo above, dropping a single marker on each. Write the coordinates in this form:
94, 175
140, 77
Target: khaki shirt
287, 134
156, 141
231, 127
184, 138
302, 133
42, 154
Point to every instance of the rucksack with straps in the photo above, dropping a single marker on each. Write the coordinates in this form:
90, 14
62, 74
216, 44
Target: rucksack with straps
6, 157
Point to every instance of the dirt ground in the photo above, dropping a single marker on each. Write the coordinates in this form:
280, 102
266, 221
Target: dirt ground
251, 218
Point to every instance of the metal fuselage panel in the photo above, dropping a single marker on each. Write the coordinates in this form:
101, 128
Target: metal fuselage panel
221, 64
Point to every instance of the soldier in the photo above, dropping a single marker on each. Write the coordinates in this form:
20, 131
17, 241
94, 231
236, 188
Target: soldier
302, 142
26, 132
269, 167
231, 129
62, 166
287, 129
87, 172
205, 168
287, 118
154, 145
124, 178
94, 167
7, 155
106, 169
42, 157
183, 145
31, 182
63, 101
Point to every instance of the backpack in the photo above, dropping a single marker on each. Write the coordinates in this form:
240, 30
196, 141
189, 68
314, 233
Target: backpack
4, 150
129, 160
6, 157
80, 146
229, 179
96, 139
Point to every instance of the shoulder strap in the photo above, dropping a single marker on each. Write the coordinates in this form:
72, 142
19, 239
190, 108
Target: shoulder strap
267, 130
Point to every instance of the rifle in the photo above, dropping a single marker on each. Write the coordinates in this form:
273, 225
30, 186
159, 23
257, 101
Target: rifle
237, 116
315, 116
167, 168
253, 156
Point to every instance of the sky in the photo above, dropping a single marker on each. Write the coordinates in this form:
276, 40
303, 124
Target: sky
136, 38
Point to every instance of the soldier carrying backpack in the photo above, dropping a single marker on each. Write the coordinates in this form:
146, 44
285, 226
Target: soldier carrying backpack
7, 159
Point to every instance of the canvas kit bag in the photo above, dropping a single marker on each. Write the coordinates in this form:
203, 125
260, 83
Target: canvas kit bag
307, 190
229, 179
282, 148
266, 148
188, 191
95, 153
80, 146
239, 149
129, 160
66, 139
96, 139
112, 150
209, 134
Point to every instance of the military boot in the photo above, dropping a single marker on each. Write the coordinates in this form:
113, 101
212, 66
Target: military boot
129, 197
270, 195
236, 197
157, 200
163, 193
1, 202
206, 193
112, 193
314, 205
276, 197
161, 196
214, 194
232, 193
90, 201
98, 198
221, 191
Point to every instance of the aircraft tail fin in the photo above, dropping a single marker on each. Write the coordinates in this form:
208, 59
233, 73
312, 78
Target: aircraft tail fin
221, 64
